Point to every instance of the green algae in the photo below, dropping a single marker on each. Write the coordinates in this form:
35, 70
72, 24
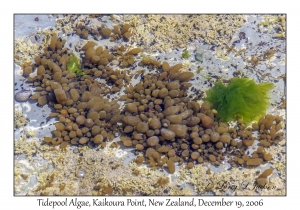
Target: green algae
199, 57
74, 66
241, 98
185, 54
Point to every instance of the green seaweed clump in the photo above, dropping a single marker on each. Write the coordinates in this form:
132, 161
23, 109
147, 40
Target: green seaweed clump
185, 54
241, 98
74, 66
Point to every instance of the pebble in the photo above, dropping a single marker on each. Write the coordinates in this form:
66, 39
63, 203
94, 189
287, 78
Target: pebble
23, 95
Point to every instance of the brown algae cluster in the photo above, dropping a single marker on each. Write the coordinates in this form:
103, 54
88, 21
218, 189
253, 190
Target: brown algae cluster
85, 116
269, 133
105, 32
165, 126
160, 120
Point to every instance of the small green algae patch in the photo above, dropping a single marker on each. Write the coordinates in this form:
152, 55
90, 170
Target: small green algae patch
241, 98
199, 57
75, 66
185, 54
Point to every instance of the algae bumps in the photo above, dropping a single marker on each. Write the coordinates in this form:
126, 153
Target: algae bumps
241, 98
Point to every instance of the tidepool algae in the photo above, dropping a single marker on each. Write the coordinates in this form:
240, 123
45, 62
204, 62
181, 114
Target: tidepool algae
118, 105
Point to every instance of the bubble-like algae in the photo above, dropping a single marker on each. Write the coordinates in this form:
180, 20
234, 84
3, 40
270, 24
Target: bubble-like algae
241, 98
